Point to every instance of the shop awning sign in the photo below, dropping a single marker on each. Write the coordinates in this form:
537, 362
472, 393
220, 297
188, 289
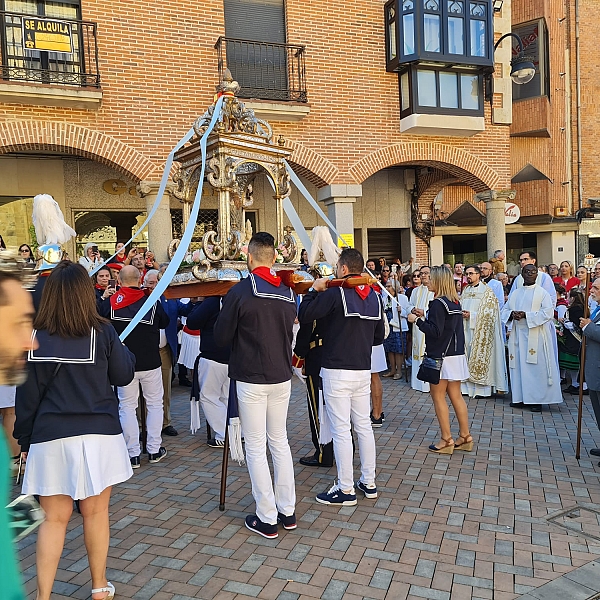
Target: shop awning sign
47, 34
512, 213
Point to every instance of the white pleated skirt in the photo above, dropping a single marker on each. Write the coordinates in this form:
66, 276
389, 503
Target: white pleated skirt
455, 368
79, 466
378, 362
7, 396
190, 348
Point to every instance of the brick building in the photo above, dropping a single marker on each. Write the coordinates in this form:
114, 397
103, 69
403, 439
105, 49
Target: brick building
395, 154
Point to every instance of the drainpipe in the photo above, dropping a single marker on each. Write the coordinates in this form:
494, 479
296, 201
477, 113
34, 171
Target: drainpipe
578, 80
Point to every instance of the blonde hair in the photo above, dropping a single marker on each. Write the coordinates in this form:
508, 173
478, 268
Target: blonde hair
571, 267
442, 283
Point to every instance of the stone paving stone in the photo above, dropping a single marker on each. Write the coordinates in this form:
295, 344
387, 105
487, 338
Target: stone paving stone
466, 527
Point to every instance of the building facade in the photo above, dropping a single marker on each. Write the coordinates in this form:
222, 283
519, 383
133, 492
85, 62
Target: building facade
383, 105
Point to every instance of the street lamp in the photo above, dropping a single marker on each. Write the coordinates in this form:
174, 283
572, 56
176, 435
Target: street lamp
522, 69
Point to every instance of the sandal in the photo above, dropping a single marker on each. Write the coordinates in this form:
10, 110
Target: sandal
447, 449
109, 589
466, 444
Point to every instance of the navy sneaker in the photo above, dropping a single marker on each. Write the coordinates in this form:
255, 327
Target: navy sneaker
253, 523
370, 491
135, 462
154, 458
336, 496
287, 522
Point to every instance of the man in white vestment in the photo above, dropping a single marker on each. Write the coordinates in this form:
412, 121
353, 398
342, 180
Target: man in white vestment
532, 346
484, 344
543, 279
420, 298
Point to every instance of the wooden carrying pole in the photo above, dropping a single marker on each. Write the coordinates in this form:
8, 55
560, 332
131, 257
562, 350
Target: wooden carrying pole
586, 314
224, 467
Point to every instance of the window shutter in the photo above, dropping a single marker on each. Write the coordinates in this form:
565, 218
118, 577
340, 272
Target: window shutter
384, 242
255, 20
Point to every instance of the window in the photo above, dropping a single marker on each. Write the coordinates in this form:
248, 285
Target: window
436, 91
256, 47
446, 31
535, 45
42, 66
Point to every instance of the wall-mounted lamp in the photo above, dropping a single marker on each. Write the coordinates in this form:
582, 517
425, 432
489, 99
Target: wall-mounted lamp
498, 5
522, 69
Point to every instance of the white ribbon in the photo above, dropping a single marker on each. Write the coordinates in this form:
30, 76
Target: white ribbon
186, 238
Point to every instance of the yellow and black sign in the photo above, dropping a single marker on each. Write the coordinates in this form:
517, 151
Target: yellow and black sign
47, 34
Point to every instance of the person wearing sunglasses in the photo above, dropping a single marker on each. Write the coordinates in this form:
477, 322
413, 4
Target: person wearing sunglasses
415, 281
26, 253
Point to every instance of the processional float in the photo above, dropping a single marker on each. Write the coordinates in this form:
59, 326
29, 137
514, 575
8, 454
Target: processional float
239, 148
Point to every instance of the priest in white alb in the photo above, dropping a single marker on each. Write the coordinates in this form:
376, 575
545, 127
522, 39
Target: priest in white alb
532, 346
420, 298
484, 343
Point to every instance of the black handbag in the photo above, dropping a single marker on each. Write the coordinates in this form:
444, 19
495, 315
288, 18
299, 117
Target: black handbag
430, 368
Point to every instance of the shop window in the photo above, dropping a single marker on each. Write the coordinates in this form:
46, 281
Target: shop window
535, 45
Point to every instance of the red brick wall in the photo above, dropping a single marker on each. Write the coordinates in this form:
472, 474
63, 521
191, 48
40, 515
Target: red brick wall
159, 70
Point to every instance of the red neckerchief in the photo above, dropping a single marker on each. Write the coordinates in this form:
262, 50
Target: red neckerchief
362, 290
119, 258
99, 287
126, 296
266, 274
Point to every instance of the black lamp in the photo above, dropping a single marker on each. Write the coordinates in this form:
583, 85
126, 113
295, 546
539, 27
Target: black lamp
522, 69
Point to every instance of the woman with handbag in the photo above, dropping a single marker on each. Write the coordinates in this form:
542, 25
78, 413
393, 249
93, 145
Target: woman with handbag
68, 422
444, 365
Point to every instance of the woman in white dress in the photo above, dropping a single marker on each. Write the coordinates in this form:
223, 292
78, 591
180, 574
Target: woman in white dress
445, 338
68, 422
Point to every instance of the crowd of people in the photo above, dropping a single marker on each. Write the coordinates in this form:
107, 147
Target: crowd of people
84, 410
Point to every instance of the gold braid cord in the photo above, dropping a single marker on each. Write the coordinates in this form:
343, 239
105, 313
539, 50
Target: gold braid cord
481, 350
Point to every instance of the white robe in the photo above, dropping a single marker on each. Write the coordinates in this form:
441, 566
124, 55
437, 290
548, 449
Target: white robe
471, 301
543, 279
419, 298
534, 374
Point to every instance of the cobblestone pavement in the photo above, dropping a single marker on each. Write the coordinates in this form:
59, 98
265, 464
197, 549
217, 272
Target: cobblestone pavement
495, 523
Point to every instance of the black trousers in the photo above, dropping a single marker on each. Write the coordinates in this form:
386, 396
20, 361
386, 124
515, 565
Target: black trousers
324, 452
595, 398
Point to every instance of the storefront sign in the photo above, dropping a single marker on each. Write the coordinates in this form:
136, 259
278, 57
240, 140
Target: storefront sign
511, 213
348, 240
47, 34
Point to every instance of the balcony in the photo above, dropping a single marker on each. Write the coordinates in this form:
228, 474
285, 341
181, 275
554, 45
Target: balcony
30, 74
271, 76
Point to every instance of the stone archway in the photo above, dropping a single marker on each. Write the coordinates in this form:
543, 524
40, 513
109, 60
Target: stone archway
461, 164
75, 140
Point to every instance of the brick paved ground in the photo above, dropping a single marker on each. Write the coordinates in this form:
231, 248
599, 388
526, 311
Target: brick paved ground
467, 526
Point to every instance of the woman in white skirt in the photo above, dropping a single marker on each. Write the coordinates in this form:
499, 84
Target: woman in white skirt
68, 422
445, 338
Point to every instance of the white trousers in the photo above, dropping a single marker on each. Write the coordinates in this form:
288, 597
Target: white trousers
263, 414
214, 393
347, 397
152, 389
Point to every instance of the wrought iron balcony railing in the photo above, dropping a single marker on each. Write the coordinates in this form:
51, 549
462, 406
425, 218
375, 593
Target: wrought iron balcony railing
19, 62
263, 70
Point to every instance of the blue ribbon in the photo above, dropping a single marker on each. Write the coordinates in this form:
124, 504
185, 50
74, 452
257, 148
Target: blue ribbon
295, 220
171, 270
296, 181
161, 191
